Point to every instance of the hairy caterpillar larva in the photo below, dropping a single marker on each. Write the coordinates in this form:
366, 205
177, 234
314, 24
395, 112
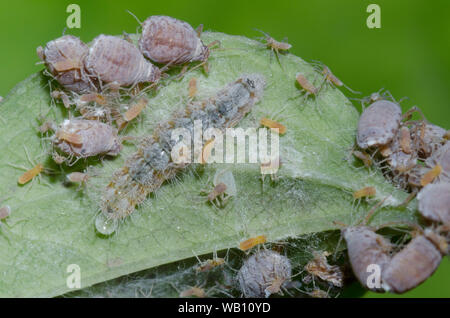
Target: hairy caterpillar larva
152, 164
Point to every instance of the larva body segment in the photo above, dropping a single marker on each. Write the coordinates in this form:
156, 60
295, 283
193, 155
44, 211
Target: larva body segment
434, 202
94, 138
263, 274
412, 265
152, 164
115, 60
378, 124
64, 59
365, 247
168, 40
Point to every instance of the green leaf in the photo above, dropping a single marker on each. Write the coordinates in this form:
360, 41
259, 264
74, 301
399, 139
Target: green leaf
52, 225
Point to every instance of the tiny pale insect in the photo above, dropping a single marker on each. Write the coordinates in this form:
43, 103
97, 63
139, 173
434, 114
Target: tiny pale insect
330, 78
192, 89
135, 110
93, 97
364, 192
5, 211
274, 45
274, 125
209, 264
364, 157
57, 94
405, 140
320, 267
217, 195
306, 85
193, 291
78, 177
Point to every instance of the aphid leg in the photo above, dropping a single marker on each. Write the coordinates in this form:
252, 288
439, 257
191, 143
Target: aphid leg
408, 114
199, 30
411, 196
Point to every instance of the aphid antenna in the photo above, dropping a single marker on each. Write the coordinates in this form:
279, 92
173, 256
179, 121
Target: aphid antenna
265, 34
373, 210
134, 16
411, 196
412, 225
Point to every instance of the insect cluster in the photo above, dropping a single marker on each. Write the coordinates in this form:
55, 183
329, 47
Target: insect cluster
415, 156
105, 81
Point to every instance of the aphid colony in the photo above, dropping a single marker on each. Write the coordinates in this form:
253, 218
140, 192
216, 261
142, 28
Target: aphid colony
415, 156
103, 80
371, 254
412, 153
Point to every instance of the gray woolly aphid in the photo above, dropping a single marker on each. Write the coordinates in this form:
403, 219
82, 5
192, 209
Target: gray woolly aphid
64, 58
146, 170
80, 138
166, 40
412, 265
434, 202
115, 60
378, 124
264, 273
365, 247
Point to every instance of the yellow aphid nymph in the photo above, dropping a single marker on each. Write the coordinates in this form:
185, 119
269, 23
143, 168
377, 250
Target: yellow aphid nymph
364, 192
30, 174
135, 110
274, 125
251, 242
192, 87
431, 175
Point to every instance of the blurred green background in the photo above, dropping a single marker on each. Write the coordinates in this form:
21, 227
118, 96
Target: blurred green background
409, 55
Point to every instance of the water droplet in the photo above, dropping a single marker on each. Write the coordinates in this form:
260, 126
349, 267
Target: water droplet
105, 225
